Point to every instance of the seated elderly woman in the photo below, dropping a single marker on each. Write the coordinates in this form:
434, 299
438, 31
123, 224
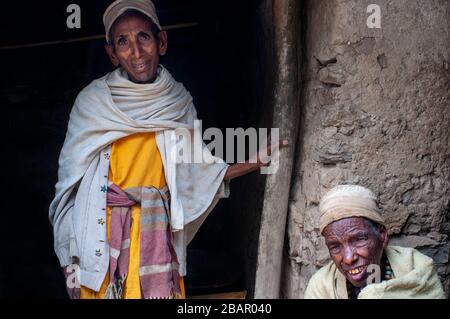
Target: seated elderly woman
363, 264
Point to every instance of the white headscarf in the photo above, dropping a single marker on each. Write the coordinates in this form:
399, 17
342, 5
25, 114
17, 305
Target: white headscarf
345, 201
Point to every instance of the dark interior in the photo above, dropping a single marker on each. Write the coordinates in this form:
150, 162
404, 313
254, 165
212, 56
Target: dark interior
216, 62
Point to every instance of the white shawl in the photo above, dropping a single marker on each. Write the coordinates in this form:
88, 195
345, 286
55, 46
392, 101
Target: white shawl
113, 107
414, 273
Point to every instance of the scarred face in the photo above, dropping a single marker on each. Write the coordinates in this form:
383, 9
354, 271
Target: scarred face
354, 244
136, 48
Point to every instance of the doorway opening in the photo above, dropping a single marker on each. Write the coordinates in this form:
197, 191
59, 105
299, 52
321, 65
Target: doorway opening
221, 55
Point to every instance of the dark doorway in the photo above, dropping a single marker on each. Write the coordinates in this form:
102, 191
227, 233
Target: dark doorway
217, 62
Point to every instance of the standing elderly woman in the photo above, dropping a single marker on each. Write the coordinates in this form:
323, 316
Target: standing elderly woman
114, 226
363, 264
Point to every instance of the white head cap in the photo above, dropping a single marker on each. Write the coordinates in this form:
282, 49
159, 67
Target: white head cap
345, 201
120, 6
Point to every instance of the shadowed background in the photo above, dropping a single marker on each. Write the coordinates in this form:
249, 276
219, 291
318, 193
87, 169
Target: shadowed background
39, 85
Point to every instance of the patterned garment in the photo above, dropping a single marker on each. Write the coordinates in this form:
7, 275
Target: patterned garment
158, 268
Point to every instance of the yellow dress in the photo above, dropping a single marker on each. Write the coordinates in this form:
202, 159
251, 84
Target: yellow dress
135, 161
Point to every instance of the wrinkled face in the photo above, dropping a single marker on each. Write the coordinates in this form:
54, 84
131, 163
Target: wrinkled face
354, 243
136, 48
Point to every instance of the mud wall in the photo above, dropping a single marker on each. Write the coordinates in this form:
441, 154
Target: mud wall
375, 112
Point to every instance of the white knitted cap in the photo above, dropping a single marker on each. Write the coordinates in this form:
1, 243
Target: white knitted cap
120, 6
345, 201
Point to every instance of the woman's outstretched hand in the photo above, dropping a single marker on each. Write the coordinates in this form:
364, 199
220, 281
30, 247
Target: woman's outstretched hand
262, 158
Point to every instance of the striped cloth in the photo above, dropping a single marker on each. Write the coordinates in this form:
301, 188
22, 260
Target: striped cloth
158, 264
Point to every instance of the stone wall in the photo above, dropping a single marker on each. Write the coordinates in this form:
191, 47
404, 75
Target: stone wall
375, 112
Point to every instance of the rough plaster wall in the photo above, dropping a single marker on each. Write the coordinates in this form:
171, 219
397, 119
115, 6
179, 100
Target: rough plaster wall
376, 112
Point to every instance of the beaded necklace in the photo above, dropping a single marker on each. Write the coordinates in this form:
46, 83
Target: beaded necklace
388, 274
